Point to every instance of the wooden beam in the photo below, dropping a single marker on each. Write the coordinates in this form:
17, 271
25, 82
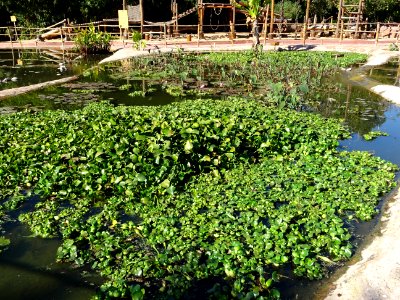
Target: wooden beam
201, 21
271, 27
266, 24
306, 22
339, 18
141, 16
232, 23
359, 14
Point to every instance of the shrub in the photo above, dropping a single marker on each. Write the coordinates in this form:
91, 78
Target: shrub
90, 41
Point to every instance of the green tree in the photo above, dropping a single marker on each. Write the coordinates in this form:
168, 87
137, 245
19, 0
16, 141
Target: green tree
324, 8
253, 9
383, 10
290, 9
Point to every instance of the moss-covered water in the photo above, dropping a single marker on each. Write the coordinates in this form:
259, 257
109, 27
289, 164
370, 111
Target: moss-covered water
361, 110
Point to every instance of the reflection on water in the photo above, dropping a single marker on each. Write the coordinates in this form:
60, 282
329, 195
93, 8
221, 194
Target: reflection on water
364, 111
388, 73
386, 147
26, 67
29, 271
360, 109
21, 68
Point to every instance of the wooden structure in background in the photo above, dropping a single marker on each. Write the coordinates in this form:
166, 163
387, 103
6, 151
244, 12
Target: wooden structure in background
350, 17
201, 7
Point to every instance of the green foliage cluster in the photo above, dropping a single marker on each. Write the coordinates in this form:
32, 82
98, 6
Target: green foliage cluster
216, 193
253, 8
90, 41
393, 47
280, 79
373, 135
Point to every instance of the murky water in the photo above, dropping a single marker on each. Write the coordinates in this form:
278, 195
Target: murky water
28, 268
388, 73
21, 68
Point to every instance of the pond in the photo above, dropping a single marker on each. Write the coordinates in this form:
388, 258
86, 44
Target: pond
26, 67
36, 270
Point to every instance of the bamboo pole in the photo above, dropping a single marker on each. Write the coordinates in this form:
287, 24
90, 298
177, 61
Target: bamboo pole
271, 26
201, 19
165, 35
306, 22
358, 17
176, 20
141, 16
339, 18
34, 87
232, 23
266, 25
341, 29
378, 27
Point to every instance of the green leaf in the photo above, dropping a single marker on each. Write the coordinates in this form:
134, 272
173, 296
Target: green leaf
140, 177
165, 183
188, 146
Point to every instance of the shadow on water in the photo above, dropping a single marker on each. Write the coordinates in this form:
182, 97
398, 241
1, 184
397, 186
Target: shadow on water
29, 271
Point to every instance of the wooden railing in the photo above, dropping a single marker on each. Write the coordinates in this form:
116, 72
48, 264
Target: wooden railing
374, 31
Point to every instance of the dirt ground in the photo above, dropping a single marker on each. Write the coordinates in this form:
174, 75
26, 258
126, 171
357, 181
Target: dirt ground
376, 275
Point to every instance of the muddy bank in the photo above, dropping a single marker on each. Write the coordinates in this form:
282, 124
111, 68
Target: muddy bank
377, 274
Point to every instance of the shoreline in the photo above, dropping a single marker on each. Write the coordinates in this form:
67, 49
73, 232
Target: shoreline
374, 272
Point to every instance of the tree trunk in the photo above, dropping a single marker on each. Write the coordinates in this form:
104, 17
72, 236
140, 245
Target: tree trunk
256, 33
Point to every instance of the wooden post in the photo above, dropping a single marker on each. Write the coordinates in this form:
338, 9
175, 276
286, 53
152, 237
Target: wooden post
271, 27
141, 16
11, 41
124, 32
232, 22
266, 25
62, 38
201, 19
339, 18
198, 35
358, 17
176, 30
165, 35
306, 22
341, 29
378, 28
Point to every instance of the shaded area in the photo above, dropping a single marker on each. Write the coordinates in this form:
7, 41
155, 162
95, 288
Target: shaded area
29, 270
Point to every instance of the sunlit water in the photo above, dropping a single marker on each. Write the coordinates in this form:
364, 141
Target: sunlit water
28, 267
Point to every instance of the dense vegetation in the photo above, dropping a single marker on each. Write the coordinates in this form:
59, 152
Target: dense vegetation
279, 79
44, 12
90, 41
212, 198
207, 197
